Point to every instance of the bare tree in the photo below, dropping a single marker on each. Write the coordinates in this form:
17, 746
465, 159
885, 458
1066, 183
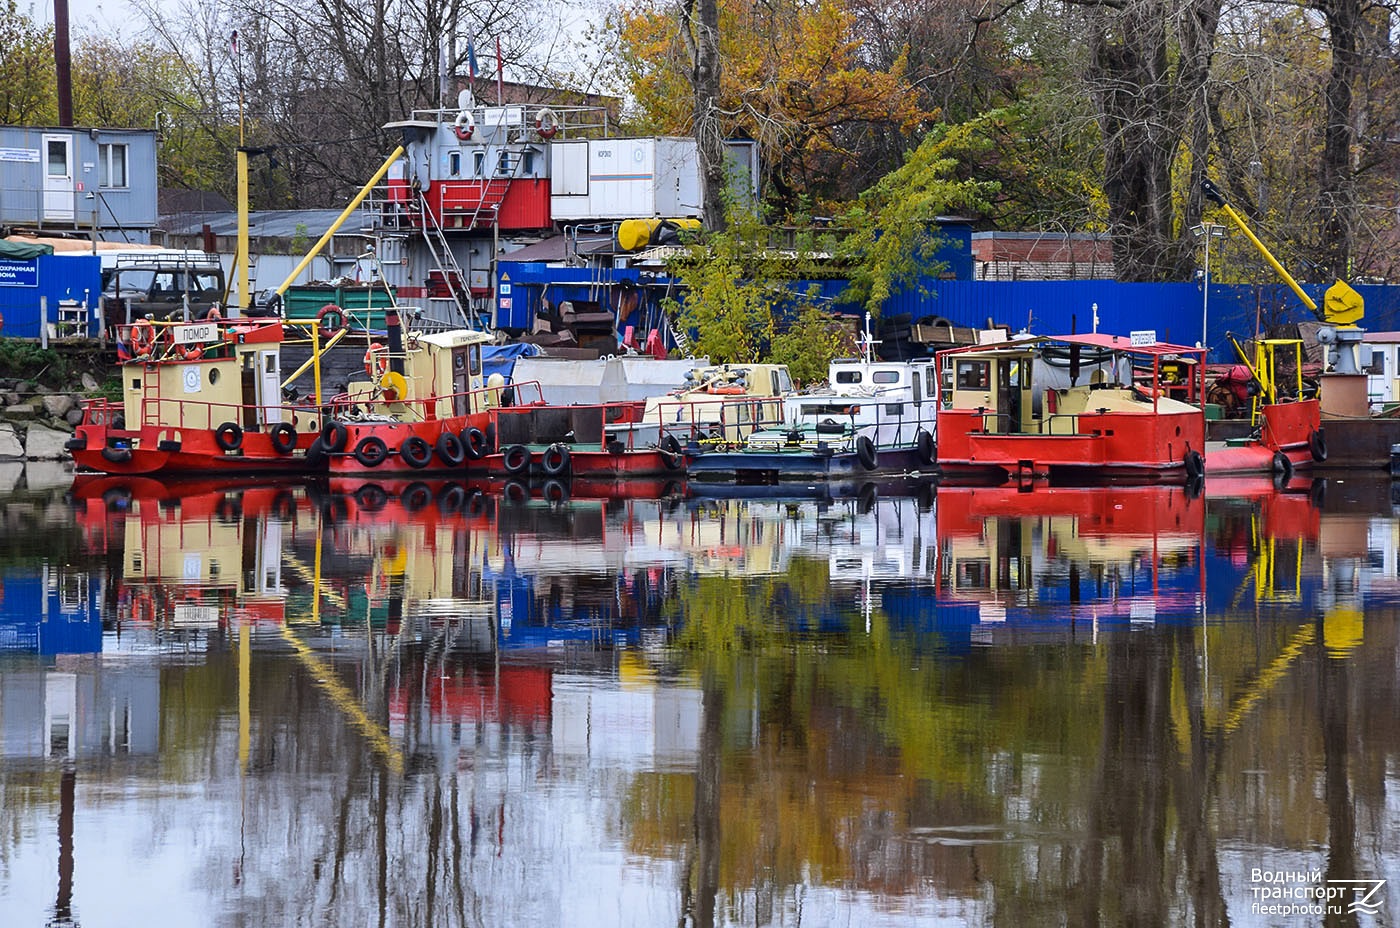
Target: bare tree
318, 81
700, 30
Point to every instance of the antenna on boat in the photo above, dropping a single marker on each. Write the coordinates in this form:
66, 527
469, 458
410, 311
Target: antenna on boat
867, 342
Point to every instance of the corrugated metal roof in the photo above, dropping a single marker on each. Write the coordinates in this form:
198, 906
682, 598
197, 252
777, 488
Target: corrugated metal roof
274, 223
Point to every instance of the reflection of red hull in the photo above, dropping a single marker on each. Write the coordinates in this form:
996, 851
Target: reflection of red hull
509, 693
1100, 511
197, 494
1290, 511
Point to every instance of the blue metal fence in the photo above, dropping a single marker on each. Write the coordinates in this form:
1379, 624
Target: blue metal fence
1175, 312
57, 277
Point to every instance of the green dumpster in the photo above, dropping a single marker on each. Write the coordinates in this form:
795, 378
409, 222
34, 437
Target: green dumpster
364, 305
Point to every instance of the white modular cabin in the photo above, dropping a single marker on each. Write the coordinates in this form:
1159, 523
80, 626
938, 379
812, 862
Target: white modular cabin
1379, 357
79, 179
623, 179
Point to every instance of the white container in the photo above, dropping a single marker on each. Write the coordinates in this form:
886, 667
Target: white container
624, 179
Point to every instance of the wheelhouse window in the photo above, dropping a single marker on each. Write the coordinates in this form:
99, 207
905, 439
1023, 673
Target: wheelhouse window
973, 375
111, 165
478, 163
454, 163
884, 376
848, 376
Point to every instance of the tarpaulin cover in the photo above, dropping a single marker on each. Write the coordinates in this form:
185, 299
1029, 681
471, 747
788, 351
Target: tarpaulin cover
23, 251
500, 359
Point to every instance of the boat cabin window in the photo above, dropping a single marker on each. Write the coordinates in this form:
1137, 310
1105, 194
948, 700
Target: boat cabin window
930, 380
894, 409
454, 163
824, 409
475, 356
782, 382
884, 376
1377, 365
478, 163
973, 375
505, 164
848, 376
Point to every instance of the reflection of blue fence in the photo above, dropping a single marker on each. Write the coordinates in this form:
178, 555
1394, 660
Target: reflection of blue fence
56, 277
39, 620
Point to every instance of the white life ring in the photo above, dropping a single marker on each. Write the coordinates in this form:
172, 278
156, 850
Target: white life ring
464, 125
546, 123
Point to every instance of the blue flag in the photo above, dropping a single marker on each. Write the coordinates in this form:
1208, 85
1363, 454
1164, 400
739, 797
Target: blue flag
471, 59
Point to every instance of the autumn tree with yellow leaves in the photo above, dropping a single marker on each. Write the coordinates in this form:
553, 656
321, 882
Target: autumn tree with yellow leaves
794, 79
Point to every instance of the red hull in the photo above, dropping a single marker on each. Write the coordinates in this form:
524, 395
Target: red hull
153, 450
1290, 432
1148, 447
446, 455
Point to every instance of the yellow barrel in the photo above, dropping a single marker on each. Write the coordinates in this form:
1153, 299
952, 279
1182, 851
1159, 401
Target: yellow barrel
633, 234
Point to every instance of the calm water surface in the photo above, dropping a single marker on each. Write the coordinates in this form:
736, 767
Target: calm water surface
415, 705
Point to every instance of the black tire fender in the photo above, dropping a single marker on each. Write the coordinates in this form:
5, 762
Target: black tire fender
371, 451
416, 452
671, 455
450, 449
474, 443
229, 436
1317, 445
1195, 464
923, 444
555, 460
283, 437
335, 436
865, 452
516, 459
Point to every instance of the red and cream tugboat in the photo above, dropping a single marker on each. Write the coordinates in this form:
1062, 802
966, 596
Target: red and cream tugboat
1072, 409
423, 406
199, 398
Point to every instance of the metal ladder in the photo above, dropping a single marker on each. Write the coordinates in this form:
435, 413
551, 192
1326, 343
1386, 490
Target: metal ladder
681, 339
445, 260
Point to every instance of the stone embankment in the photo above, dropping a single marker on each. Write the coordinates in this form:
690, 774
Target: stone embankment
35, 420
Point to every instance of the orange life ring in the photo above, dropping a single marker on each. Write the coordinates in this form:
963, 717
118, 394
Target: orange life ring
726, 390
326, 329
143, 338
546, 123
190, 352
464, 126
376, 360
213, 315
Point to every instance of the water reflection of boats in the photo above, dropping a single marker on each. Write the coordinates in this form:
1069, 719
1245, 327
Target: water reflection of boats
1106, 553
190, 560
